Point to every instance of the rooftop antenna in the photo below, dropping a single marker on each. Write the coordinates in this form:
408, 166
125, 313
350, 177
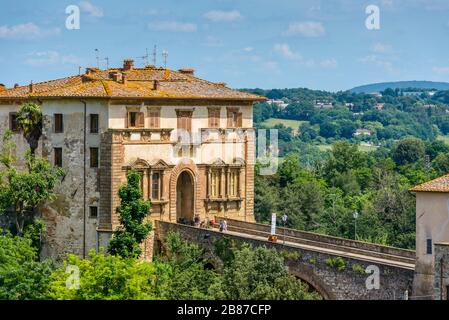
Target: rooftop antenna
98, 58
154, 55
165, 55
145, 57
79, 70
107, 62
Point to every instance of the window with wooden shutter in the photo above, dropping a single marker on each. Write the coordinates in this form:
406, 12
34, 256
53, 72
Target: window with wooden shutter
214, 118
155, 115
136, 119
234, 118
185, 120
239, 120
155, 186
59, 122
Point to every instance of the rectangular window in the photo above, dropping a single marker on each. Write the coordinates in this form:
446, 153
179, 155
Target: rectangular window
155, 186
235, 119
233, 183
94, 157
185, 120
155, 114
214, 118
13, 122
58, 157
136, 119
93, 212
59, 122
215, 184
429, 246
94, 128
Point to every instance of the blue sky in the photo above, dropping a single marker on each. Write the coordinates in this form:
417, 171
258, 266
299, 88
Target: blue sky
245, 43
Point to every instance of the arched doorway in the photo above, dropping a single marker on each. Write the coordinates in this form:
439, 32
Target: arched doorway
184, 197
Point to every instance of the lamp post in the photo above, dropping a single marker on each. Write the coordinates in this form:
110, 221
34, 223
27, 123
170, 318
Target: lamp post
355, 215
284, 220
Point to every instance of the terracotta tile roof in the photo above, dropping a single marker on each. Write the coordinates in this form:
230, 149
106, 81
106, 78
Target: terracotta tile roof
440, 184
139, 83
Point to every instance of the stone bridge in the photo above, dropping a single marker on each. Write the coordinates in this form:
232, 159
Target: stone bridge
316, 256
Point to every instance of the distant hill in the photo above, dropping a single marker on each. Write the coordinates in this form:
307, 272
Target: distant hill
377, 87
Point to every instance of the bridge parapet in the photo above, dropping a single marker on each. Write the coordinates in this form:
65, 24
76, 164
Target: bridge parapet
317, 267
325, 241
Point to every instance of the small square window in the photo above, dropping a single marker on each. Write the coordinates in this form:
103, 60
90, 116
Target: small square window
93, 212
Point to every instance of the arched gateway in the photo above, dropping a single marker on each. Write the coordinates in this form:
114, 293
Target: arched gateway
185, 197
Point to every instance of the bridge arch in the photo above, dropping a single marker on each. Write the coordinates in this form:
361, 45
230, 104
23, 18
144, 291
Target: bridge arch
313, 281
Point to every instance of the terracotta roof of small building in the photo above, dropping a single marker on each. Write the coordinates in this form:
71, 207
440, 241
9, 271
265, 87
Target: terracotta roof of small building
440, 184
149, 82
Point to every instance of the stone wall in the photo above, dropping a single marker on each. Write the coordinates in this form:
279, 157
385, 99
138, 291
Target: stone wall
441, 273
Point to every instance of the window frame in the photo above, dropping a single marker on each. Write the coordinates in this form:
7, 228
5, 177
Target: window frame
154, 114
139, 121
214, 117
13, 126
58, 128
94, 161
57, 157
429, 246
94, 129
91, 216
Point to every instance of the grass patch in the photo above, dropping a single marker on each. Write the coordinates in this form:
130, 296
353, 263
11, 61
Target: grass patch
294, 124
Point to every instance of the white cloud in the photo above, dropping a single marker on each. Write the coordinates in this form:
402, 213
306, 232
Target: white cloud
284, 50
381, 48
248, 49
306, 28
172, 26
375, 60
48, 58
26, 31
213, 42
223, 16
92, 10
329, 63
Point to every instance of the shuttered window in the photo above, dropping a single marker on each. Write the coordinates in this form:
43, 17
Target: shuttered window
155, 115
136, 119
59, 122
235, 119
13, 122
214, 118
185, 120
58, 157
94, 157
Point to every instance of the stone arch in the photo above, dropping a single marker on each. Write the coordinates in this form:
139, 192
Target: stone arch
189, 166
314, 281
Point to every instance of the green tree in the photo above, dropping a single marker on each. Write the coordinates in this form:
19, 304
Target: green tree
22, 191
259, 274
22, 276
132, 212
103, 277
29, 120
408, 150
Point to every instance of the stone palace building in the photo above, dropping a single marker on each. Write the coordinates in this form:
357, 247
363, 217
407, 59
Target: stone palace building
192, 141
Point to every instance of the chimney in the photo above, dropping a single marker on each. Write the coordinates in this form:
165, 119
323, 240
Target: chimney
116, 76
124, 78
128, 64
155, 84
16, 85
188, 71
31, 86
89, 71
2, 87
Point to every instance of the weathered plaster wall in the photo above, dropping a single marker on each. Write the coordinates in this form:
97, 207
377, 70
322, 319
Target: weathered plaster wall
441, 272
432, 222
67, 217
